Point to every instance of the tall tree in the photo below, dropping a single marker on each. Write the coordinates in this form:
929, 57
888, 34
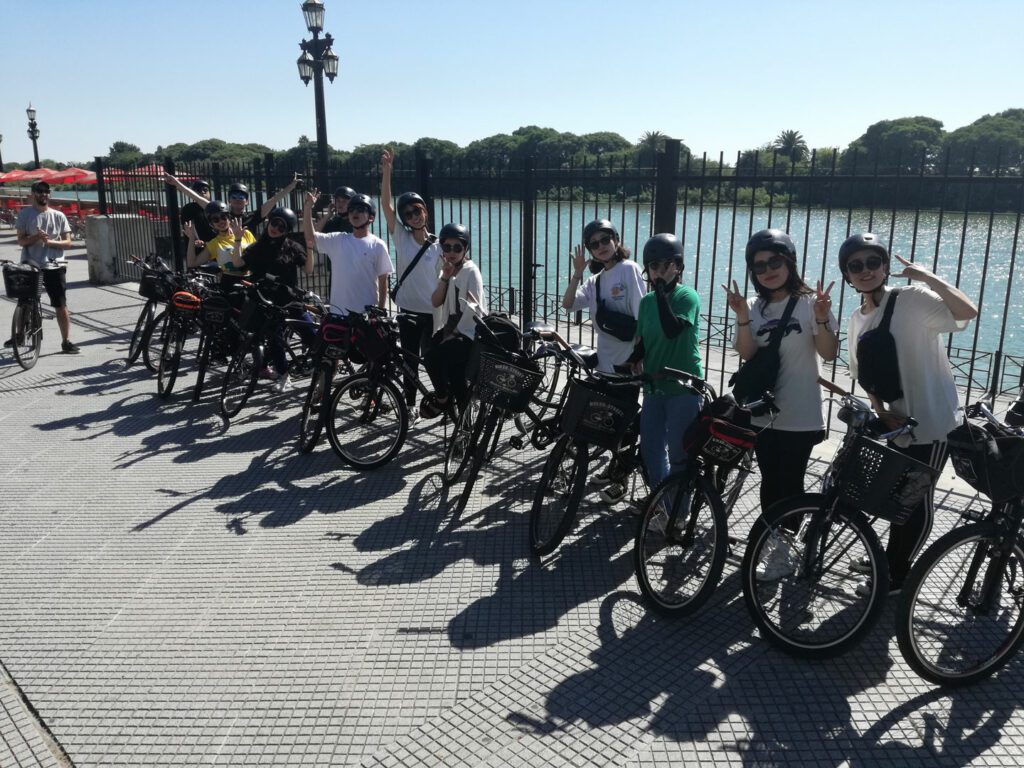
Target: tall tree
988, 142
895, 143
792, 145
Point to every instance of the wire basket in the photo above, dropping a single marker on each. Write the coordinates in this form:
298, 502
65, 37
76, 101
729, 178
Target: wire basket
21, 281
991, 464
883, 482
599, 413
154, 286
506, 384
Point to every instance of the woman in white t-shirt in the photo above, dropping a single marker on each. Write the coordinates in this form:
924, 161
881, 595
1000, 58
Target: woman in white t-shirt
619, 281
784, 448
449, 350
920, 317
418, 262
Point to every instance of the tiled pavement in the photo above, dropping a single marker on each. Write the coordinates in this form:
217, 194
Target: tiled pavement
177, 591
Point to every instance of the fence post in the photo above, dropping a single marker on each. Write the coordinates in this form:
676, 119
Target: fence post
268, 170
101, 187
424, 173
218, 183
527, 243
174, 219
666, 188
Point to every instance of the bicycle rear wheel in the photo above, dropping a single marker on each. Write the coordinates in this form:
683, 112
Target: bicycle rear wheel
153, 340
170, 362
460, 445
27, 333
558, 495
367, 421
240, 380
135, 345
678, 564
311, 420
481, 453
797, 583
960, 615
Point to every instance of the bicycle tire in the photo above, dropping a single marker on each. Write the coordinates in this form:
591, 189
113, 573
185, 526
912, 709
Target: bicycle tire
153, 340
459, 450
789, 607
367, 421
203, 362
135, 344
170, 363
481, 453
731, 481
938, 626
558, 494
314, 407
240, 380
678, 570
27, 334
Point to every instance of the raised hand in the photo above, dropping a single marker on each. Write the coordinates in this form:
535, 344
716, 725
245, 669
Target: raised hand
387, 161
311, 197
190, 230
236, 228
823, 302
911, 271
579, 260
737, 302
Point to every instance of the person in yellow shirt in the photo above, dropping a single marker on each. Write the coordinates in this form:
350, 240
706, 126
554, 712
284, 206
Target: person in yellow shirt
222, 246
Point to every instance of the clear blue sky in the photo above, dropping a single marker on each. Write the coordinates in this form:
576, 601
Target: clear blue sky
719, 74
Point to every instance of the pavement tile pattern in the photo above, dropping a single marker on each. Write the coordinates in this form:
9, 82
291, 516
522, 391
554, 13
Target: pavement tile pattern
178, 591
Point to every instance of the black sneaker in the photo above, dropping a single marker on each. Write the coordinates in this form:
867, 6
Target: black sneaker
9, 343
68, 348
431, 408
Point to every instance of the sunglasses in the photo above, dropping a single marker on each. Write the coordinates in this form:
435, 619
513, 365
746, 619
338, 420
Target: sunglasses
599, 242
217, 217
277, 224
452, 248
760, 267
354, 209
237, 196
871, 262
410, 213
658, 266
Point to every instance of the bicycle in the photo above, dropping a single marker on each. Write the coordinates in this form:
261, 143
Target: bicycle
330, 351
183, 315
960, 617
683, 540
21, 283
796, 581
156, 286
599, 414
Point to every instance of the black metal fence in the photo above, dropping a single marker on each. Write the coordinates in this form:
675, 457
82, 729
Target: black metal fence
965, 226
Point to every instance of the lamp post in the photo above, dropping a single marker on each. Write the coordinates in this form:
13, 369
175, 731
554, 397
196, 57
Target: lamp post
317, 60
33, 132
1, 154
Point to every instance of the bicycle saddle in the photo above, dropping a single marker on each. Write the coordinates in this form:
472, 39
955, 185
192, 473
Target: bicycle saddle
588, 354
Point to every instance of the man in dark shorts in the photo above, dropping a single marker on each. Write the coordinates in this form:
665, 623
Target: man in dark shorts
44, 234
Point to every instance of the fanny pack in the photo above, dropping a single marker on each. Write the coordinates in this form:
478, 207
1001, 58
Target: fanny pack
759, 374
878, 370
620, 325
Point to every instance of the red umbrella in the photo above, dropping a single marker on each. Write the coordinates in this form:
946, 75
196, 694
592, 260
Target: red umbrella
70, 175
22, 175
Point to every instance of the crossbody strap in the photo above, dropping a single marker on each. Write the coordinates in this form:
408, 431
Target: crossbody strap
780, 330
889, 307
431, 239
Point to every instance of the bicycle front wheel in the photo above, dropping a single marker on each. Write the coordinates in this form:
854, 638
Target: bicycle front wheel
460, 445
153, 340
311, 420
558, 495
797, 581
367, 421
135, 345
682, 544
960, 615
170, 362
240, 380
27, 334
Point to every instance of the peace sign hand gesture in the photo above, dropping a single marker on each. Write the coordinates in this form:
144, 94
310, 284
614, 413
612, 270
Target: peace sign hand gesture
823, 302
912, 271
737, 302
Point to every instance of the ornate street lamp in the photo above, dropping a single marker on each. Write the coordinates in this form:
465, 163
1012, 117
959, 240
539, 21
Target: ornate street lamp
318, 59
33, 132
1, 154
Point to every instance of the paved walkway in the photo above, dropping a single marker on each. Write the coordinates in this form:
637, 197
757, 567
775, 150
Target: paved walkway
176, 591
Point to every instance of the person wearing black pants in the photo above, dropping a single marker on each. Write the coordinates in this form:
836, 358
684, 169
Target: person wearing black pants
782, 457
415, 330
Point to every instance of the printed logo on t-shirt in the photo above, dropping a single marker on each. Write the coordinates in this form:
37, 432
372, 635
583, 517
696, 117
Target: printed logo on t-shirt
618, 291
771, 325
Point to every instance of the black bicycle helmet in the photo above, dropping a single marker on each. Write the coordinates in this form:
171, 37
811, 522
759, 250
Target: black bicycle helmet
346, 192
238, 187
201, 184
287, 214
454, 232
774, 240
362, 201
663, 247
861, 242
215, 207
409, 198
599, 225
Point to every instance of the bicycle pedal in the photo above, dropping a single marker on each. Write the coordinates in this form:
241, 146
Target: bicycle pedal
516, 442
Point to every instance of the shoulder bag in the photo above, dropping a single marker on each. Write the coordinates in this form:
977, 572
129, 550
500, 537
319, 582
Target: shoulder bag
759, 374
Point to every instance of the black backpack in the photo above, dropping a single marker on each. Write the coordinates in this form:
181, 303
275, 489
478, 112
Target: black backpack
878, 370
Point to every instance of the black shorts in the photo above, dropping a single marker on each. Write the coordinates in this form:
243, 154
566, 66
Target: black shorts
55, 283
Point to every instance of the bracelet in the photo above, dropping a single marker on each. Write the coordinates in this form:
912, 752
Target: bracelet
821, 322
746, 323
238, 239
445, 279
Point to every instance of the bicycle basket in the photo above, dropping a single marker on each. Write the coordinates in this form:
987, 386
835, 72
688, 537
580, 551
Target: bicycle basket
883, 482
506, 384
599, 413
373, 339
720, 433
991, 464
333, 336
215, 311
21, 281
255, 316
154, 286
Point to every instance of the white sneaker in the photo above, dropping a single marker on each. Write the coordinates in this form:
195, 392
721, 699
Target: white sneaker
283, 383
602, 478
780, 561
860, 565
613, 493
